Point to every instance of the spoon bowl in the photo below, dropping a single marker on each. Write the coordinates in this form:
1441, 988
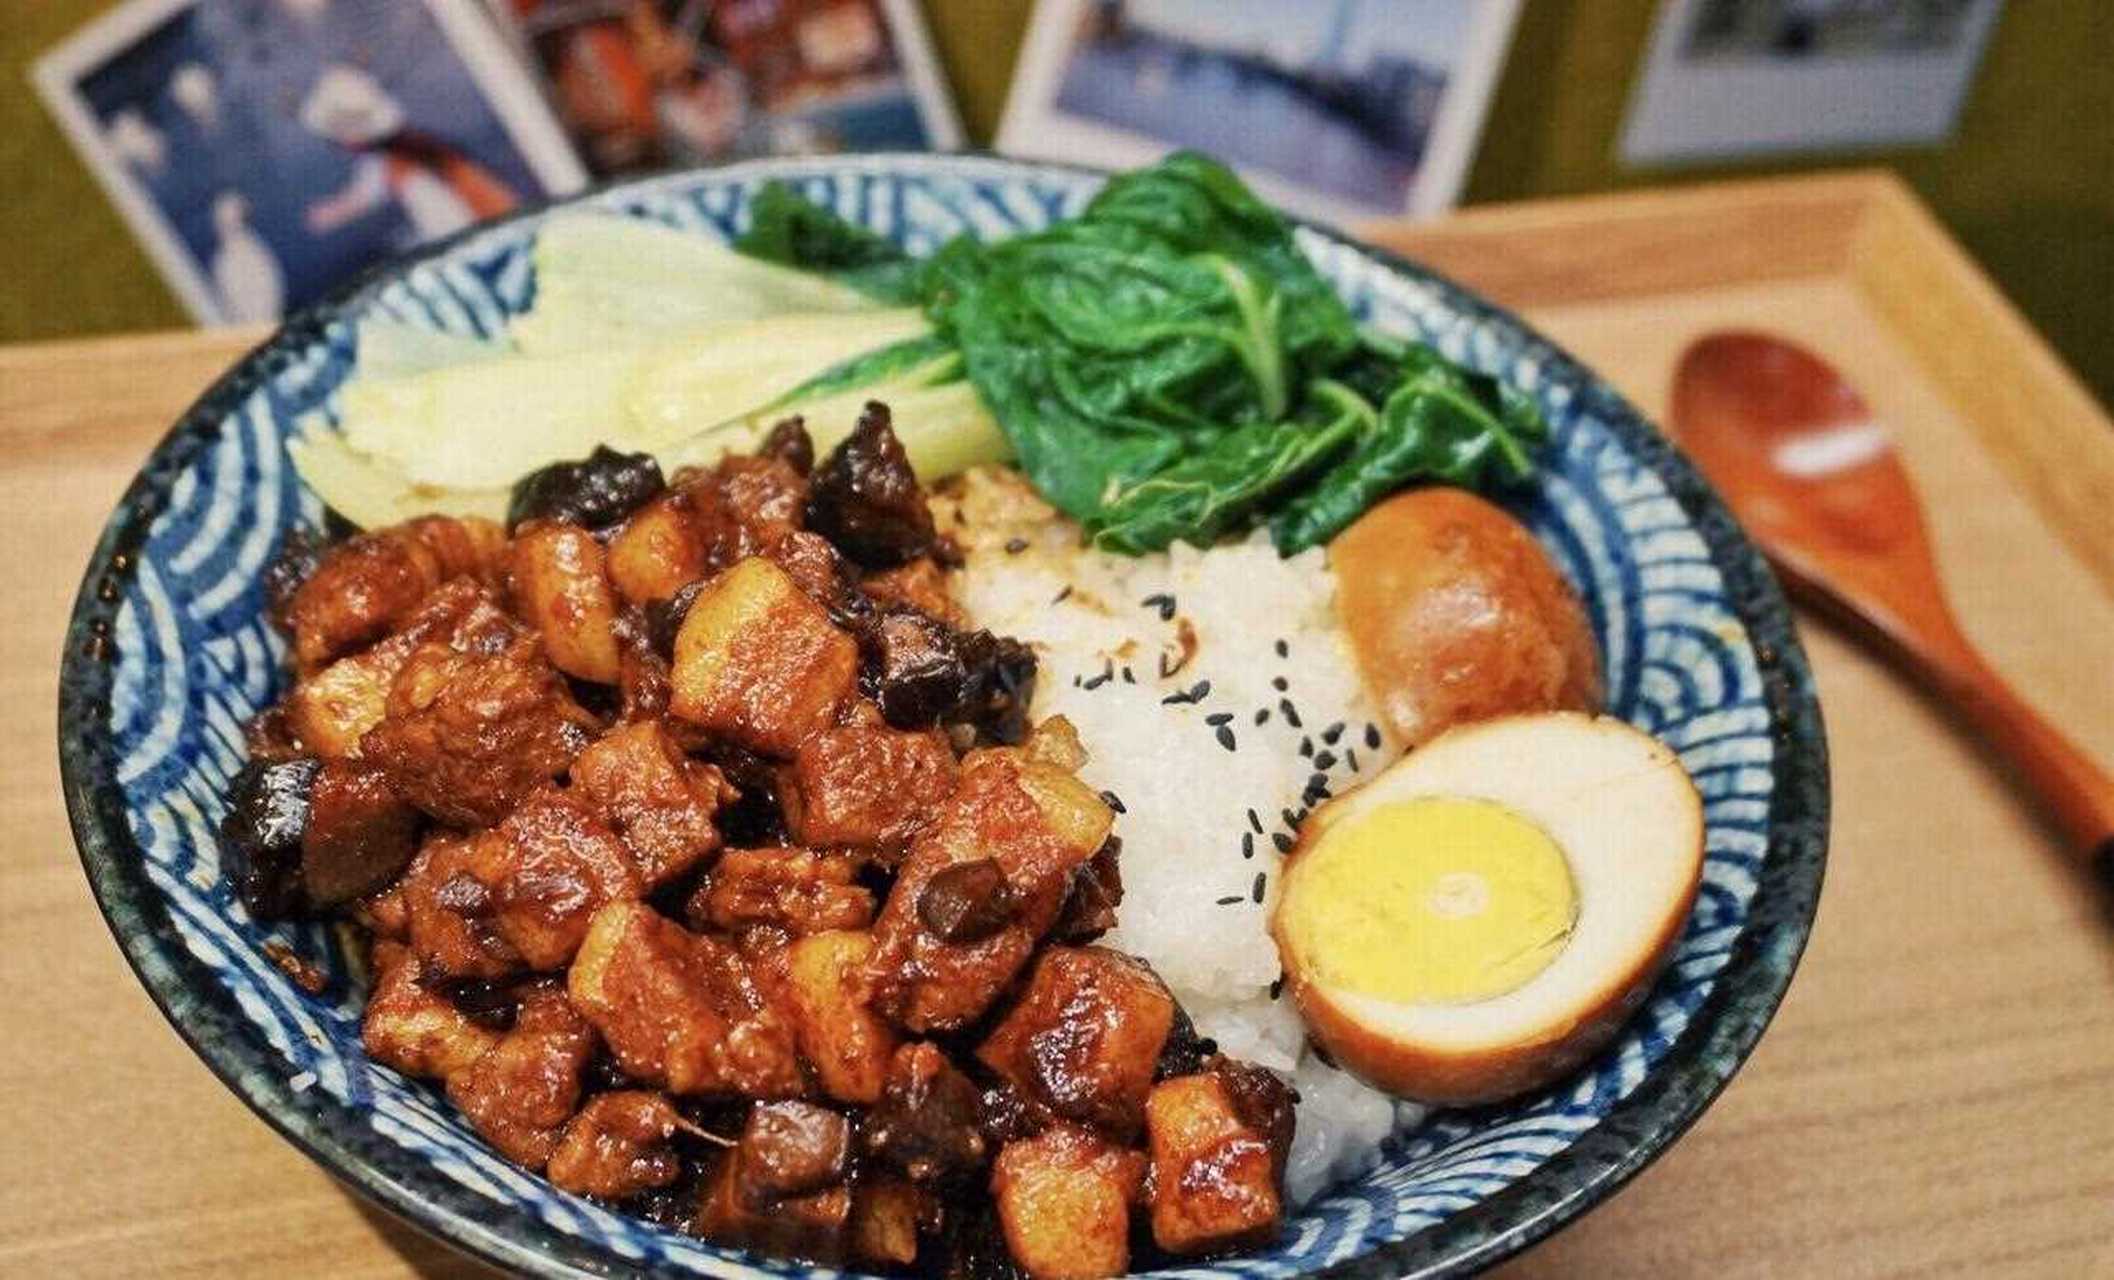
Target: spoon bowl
1814, 476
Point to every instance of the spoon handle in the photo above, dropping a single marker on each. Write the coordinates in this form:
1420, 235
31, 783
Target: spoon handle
2077, 791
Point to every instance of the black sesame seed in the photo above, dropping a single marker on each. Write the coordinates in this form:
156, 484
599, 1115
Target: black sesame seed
1217, 718
1113, 801
1291, 818
1332, 733
1319, 780
1350, 757
1282, 841
1255, 822
1277, 986
1014, 546
1063, 595
1325, 760
1229, 900
1075, 682
1283, 650
1099, 680
1372, 735
1225, 737
1165, 669
1162, 602
1279, 683
1128, 678
1261, 878
1247, 844
1291, 713
1262, 717
1199, 691
1306, 746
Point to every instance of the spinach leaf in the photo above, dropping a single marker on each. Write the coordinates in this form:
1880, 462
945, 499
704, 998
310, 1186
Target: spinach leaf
1440, 422
787, 228
1219, 489
1168, 365
1175, 310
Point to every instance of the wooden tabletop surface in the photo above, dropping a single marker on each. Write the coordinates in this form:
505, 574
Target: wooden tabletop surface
1936, 1096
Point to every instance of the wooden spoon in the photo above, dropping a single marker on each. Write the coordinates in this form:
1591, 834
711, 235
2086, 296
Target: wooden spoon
1795, 451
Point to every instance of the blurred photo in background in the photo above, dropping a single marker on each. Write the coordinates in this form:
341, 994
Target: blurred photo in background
265, 151
651, 84
1339, 109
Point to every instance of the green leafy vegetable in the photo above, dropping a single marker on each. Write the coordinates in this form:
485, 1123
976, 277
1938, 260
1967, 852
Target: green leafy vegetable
791, 230
1440, 422
1168, 365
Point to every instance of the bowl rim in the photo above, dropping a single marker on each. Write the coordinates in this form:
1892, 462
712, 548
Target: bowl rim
1696, 1067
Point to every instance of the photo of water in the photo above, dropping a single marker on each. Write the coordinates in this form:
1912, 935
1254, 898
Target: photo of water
1338, 96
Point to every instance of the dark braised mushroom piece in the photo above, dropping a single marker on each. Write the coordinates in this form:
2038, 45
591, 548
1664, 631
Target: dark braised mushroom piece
966, 902
267, 818
867, 500
594, 493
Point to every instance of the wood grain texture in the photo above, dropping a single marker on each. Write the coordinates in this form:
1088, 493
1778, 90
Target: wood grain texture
1937, 1096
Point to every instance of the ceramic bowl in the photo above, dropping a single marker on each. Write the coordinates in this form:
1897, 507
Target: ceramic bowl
169, 652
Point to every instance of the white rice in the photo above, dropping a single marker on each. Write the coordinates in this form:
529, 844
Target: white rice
1161, 662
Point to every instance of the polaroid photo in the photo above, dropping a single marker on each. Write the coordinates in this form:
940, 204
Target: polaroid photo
1338, 109
642, 85
265, 150
1728, 78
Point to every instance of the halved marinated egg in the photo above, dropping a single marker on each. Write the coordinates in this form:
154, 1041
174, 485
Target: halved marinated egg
1483, 915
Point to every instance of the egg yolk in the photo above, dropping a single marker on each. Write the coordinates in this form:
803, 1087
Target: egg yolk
1435, 900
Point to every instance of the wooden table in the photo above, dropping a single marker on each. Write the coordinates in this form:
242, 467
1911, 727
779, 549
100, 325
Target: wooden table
1937, 1095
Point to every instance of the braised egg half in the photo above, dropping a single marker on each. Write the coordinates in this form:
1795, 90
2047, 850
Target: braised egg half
1485, 914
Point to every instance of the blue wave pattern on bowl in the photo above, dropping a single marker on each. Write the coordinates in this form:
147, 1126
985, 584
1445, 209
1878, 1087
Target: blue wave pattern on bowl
196, 658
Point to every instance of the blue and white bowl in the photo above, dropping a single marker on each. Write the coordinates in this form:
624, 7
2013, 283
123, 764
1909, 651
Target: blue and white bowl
169, 652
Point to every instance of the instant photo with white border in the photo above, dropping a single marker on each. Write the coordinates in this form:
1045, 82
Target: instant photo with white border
1036, 125
1686, 108
58, 75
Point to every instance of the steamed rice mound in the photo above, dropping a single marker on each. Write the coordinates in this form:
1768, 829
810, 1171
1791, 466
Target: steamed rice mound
1216, 697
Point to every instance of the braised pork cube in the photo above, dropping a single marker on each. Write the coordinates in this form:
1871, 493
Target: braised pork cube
413, 1028
521, 1092
658, 799
466, 736
1039, 824
887, 1216
680, 1009
618, 1146
918, 584
1084, 1038
760, 663
796, 890
929, 1122
371, 583
783, 1188
547, 868
764, 496
1064, 1199
557, 574
865, 786
331, 710
867, 500
360, 835
447, 914
789, 443
812, 563
840, 1035
1218, 1141
658, 553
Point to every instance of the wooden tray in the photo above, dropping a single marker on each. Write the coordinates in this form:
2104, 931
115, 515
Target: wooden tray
1936, 1096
